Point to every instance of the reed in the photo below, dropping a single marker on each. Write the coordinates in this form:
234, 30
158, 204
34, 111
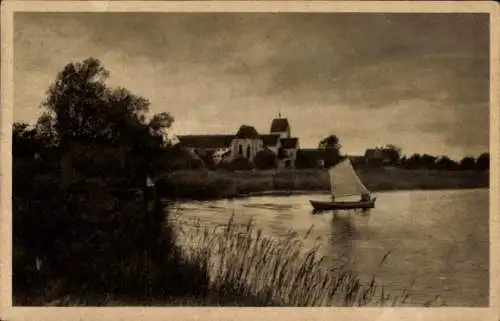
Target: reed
243, 262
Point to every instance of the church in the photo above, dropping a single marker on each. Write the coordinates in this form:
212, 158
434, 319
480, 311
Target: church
246, 143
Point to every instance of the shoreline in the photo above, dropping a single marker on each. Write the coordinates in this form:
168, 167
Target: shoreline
305, 192
277, 193
215, 185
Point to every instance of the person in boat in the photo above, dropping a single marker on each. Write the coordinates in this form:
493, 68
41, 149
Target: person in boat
365, 197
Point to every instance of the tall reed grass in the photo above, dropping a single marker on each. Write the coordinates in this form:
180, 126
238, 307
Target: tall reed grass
243, 262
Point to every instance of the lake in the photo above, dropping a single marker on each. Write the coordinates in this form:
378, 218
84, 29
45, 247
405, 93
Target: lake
438, 240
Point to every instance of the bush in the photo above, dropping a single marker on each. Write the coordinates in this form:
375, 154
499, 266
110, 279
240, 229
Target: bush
265, 159
96, 238
238, 164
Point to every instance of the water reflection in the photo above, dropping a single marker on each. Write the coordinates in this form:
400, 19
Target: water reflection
342, 235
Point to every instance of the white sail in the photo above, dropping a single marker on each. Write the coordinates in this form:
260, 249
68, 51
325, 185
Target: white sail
344, 181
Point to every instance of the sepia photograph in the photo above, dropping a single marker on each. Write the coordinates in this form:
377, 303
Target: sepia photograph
250, 159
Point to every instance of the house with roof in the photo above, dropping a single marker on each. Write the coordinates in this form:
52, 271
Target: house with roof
377, 156
246, 143
311, 158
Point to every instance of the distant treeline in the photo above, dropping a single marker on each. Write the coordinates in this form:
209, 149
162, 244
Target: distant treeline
328, 153
324, 158
391, 156
415, 161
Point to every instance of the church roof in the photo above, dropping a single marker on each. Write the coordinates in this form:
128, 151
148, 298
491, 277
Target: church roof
289, 142
247, 132
270, 140
206, 141
279, 125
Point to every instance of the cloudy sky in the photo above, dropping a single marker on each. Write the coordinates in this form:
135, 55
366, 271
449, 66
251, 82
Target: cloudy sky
419, 81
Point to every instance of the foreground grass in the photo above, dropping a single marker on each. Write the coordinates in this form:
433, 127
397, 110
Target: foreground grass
242, 262
223, 184
244, 267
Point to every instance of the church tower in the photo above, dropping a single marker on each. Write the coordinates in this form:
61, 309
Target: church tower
281, 126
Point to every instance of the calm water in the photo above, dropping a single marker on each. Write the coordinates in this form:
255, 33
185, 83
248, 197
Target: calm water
439, 239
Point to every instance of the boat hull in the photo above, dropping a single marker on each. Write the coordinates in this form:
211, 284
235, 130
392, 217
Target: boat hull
329, 206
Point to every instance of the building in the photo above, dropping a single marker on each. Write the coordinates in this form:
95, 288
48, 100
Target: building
376, 156
311, 158
357, 161
247, 143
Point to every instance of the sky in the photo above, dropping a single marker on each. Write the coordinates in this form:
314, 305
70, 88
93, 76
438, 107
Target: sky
419, 81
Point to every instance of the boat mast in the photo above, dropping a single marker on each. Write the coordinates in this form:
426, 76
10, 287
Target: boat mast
332, 185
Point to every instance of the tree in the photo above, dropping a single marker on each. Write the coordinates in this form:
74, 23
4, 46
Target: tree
23, 140
393, 153
332, 147
413, 162
82, 110
46, 130
467, 163
483, 162
76, 99
101, 128
20, 130
238, 164
445, 163
208, 159
31, 142
330, 142
160, 123
403, 161
265, 159
428, 161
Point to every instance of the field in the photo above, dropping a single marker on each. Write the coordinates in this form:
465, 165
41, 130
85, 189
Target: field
223, 184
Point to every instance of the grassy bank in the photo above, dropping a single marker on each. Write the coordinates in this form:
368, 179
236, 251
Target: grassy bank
244, 267
222, 184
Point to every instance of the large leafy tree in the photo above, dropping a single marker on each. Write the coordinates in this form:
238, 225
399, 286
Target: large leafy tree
84, 108
331, 146
81, 110
102, 129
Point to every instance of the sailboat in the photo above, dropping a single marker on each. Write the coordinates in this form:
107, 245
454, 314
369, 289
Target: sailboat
344, 182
